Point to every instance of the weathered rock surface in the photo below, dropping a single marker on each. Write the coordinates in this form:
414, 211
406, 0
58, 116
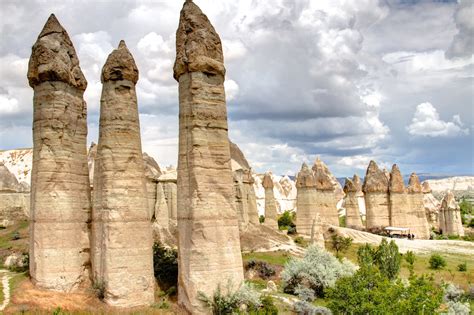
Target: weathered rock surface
377, 203
306, 203
432, 206
271, 213
352, 188
417, 220
208, 237
60, 192
121, 230
399, 203
326, 198
450, 216
14, 198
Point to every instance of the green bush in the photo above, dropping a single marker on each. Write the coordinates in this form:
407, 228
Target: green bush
261, 219
466, 209
386, 257
471, 223
437, 262
291, 230
340, 243
410, 258
462, 267
369, 291
165, 266
286, 220
267, 306
264, 269
342, 221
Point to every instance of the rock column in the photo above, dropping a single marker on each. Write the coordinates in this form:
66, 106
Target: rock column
450, 216
60, 190
121, 228
251, 197
271, 213
376, 197
306, 206
418, 222
208, 232
325, 194
432, 206
241, 201
352, 188
399, 205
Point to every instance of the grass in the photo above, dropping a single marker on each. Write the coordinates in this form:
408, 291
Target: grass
278, 258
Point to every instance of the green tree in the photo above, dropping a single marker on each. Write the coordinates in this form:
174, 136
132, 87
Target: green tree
466, 209
340, 244
388, 259
437, 262
410, 258
365, 256
286, 220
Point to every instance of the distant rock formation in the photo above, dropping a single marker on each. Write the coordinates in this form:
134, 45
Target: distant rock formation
417, 221
352, 188
60, 190
14, 198
284, 191
271, 213
377, 203
209, 243
432, 206
398, 198
450, 216
326, 198
122, 258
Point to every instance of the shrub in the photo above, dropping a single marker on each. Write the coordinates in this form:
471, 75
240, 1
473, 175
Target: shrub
365, 256
342, 221
261, 219
165, 266
369, 291
267, 306
410, 259
340, 243
305, 308
462, 267
286, 220
455, 300
16, 236
291, 230
317, 270
386, 257
300, 241
437, 262
471, 223
264, 269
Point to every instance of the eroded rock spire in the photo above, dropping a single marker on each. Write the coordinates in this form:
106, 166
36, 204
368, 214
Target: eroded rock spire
60, 190
376, 196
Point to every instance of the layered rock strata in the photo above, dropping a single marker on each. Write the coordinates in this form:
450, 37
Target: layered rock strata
326, 199
208, 232
450, 216
121, 230
245, 199
432, 206
352, 189
60, 190
306, 203
376, 197
271, 213
417, 221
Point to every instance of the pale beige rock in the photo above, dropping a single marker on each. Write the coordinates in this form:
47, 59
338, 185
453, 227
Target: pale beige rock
432, 206
271, 212
14, 198
417, 220
399, 204
326, 198
241, 200
121, 228
60, 190
306, 203
317, 232
352, 188
376, 197
450, 216
208, 236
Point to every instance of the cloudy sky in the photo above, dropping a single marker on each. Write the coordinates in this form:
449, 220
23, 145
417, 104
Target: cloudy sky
349, 81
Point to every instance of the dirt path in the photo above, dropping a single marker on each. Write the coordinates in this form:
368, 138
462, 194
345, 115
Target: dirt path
418, 246
6, 288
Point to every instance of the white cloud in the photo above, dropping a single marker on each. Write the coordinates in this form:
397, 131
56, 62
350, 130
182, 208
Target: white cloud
231, 89
426, 122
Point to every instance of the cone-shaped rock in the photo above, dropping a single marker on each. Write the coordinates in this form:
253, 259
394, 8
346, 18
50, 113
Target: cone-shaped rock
121, 229
417, 220
351, 203
399, 205
60, 190
208, 242
271, 212
450, 216
326, 201
376, 197
306, 203
432, 206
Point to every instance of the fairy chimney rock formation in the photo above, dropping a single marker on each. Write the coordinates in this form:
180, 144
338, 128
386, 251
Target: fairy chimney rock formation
306, 203
208, 242
432, 206
122, 258
352, 188
326, 200
450, 216
60, 190
399, 205
271, 213
375, 190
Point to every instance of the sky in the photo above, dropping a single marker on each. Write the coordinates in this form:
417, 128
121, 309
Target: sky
348, 81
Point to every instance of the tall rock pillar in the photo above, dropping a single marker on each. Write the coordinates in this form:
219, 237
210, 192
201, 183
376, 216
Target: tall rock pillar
121, 228
398, 199
376, 197
251, 197
450, 216
208, 237
418, 222
352, 188
326, 202
60, 190
306, 207
271, 213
